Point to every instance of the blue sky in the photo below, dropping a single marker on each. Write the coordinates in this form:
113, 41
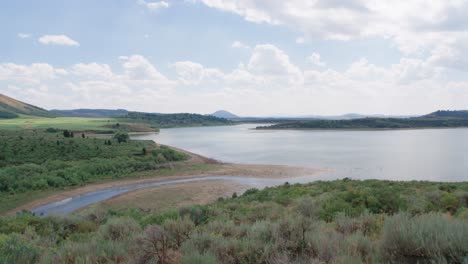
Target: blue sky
250, 57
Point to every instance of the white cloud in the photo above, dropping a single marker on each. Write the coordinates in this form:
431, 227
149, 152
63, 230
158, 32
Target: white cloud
62, 40
137, 67
92, 70
154, 6
267, 83
316, 60
437, 27
24, 35
273, 63
239, 45
300, 40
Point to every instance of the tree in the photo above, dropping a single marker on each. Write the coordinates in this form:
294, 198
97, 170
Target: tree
83, 135
121, 137
66, 133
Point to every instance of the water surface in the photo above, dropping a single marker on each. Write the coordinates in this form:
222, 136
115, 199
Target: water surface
424, 154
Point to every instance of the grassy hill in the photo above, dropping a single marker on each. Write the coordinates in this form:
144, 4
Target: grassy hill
95, 113
11, 108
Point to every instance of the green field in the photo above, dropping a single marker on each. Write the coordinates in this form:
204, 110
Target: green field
71, 123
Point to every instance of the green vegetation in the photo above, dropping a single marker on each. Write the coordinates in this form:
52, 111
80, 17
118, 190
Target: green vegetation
98, 125
36, 160
175, 120
93, 113
435, 120
11, 108
342, 221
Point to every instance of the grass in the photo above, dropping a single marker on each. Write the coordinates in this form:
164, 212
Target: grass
70, 123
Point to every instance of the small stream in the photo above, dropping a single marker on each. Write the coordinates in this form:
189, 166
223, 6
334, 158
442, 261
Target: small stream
74, 203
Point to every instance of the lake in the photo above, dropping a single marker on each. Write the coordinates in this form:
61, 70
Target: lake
424, 154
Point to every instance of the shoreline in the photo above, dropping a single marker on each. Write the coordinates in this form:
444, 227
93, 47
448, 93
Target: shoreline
219, 169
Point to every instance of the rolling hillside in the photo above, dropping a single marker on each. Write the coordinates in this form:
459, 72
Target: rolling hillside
94, 113
11, 108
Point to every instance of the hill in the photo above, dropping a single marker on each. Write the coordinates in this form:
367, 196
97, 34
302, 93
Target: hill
11, 108
94, 113
224, 114
174, 120
439, 119
447, 114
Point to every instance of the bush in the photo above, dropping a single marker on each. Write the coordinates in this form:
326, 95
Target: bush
152, 246
424, 237
179, 230
15, 249
198, 214
119, 229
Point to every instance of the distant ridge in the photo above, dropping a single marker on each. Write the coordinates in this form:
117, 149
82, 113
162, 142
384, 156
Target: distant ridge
92, 113
448, 114
11, 108
224, 114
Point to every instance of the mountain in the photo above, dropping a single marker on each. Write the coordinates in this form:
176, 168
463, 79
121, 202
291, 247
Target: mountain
224, 114
94, 113
447, 114
11, 108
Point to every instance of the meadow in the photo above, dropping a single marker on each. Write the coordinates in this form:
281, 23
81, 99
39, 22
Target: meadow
71, 123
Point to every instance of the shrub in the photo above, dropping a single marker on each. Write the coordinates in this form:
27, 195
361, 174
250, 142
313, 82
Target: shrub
15, 249
152, 246
119, 229
198, 214
179, 230
424, 237
197, 258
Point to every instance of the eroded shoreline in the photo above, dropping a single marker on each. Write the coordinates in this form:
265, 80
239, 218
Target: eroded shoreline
216, 169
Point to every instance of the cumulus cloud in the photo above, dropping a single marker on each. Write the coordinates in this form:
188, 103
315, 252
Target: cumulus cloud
154, 6
61, 40
437, 27
239, 45
266, 83
316, 60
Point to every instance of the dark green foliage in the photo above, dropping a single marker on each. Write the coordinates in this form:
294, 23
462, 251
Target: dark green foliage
121, 137
376, 123
175, 120
34, 160
164, 153
7, 115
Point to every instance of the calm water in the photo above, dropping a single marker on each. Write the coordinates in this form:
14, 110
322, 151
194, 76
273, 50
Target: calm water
430, 154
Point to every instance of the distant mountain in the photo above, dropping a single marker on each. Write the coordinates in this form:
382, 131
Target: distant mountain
224, 114
11, 108
448, 114
93, 113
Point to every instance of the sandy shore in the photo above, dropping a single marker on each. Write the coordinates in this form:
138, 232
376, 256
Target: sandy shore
216, 169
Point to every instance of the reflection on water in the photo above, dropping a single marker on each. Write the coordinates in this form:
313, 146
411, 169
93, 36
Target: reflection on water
424, 154
430, 154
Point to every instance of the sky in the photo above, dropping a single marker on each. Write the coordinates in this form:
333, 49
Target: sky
250, 57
